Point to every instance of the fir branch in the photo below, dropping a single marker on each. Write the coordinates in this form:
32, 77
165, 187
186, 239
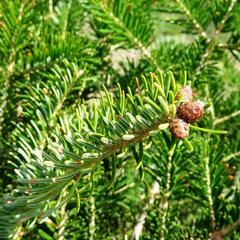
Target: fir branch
126, 131
63, 220
167, 192
69, 5
11, 59
209, 193
50, 7
138, 228
220, 234
131, 27
235, 46
53, 50
229, 157
226, 118
214, 40
61, 91
18, 233
68, 78
57, 144
219, 28
198, 27
92, 224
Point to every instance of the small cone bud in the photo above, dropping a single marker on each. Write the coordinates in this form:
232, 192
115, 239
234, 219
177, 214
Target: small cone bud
179, 128
185, 94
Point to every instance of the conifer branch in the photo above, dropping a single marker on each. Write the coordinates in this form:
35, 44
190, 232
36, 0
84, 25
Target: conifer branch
10, 64
209, 193
63, 220
138, 228
153, 111
61, 135
139, 38
225, 17
133, 38
18, 233
69, 78
233, 155
50, 7
220, 234
226, 118
198, 27
56, 111
229, 46
70, 48
69, 5
213, 41
92, 224
167, 192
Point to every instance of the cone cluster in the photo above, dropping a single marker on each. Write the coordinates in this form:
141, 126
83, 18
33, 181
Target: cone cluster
188, 111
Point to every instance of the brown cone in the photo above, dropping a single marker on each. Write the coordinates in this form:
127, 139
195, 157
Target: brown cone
179, 128
190, 111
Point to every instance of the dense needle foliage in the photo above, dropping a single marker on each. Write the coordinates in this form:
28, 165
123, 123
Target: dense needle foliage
87, 91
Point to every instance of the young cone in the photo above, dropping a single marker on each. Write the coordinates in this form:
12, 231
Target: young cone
179, 128
190, 111
185, 94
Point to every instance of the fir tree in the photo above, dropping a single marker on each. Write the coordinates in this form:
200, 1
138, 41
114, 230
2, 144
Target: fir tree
119, 119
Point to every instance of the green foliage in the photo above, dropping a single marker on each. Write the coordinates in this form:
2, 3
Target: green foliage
88, 89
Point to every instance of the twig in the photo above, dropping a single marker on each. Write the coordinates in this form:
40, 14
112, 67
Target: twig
233, 155
209, 193
221, 25
229, 46
92, 225
226, 118
218, 235
57, 110
10, 69
69, 5
64, 217
164, 203
50, 7
137, 41
155, 190
193, 20
212, 43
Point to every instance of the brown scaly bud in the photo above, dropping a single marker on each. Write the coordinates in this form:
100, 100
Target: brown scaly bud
185, 94
179, 128
190, 111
